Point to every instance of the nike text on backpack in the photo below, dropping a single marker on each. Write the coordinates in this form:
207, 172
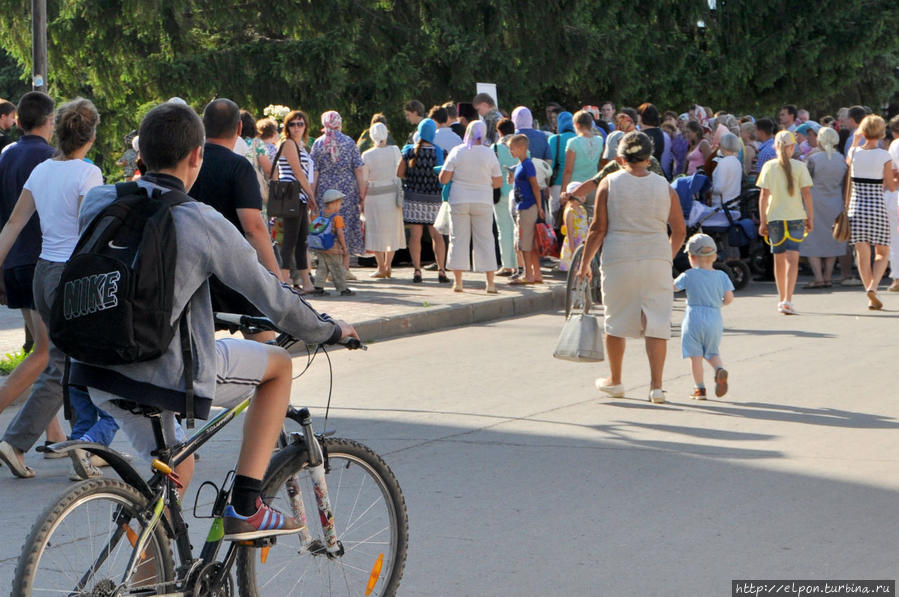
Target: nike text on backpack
114, 302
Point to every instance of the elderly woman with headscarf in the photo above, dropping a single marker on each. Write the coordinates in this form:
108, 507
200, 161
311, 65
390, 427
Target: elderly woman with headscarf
475, 172
828, 171
422, 199
633, 212
340, 167
538, 145
384, 232
727, 178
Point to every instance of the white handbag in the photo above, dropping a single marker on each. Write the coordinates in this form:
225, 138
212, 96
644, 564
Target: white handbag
581, 337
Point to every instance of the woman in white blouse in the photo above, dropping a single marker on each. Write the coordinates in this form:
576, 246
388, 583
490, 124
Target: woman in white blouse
474, 172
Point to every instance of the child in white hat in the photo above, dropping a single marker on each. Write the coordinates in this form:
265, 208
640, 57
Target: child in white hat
707, 290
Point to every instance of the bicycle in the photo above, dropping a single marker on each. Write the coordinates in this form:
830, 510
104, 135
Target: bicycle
360, 547
575, 290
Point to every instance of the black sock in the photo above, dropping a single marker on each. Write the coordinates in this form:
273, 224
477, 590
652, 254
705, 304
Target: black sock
244, 494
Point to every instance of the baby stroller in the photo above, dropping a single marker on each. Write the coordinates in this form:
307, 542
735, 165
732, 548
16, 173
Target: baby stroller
727, 224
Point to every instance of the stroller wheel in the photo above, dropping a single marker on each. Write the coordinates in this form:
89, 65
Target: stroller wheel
720, 265
740, 274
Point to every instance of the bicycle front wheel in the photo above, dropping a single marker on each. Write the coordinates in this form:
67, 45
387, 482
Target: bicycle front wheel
81, 545
372, 527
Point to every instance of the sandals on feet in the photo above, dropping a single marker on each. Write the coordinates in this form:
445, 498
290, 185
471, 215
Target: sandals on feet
874, 303
8, 455
416, 276
441, 277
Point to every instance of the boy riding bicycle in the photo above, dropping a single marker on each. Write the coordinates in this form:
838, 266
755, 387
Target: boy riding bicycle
224, 371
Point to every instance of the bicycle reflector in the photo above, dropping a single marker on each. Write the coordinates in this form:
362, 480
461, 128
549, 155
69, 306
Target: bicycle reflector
375, 573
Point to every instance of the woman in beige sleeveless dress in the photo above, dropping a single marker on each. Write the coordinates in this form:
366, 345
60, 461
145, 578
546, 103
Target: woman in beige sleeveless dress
633, 211
384, 232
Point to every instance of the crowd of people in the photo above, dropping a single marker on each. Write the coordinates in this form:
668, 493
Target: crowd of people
499, 180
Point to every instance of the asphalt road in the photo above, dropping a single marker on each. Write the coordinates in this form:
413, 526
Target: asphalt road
521, 480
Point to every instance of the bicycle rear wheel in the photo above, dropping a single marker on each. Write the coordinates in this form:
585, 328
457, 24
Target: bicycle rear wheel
372, 526
575, 292
81, 545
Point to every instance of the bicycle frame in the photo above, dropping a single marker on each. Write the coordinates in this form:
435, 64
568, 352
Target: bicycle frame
164, 485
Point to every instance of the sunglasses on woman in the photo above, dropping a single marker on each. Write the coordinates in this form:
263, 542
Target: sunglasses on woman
298, 123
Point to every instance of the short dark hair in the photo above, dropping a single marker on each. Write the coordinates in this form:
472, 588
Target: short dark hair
221, 118
631, 113
34, 109
248, 124
168, 133
438, 114
649, 114
791, 109
766, 125
857, 113
635, 147
415, 106
6, 107
505, 126
451, 111
378, 117
484, 98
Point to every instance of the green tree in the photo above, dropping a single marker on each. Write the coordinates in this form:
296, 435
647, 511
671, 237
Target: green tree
366, 56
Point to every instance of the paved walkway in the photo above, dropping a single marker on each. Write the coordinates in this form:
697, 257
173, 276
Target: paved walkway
396, 307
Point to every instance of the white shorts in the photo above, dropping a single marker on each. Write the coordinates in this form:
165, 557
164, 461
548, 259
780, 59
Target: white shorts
240, 367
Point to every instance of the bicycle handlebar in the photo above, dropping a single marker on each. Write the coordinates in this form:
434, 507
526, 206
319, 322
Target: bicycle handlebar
248, 322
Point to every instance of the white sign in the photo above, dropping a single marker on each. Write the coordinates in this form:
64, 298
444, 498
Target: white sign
489, 89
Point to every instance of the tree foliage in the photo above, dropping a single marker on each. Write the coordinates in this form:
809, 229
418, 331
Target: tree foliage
366, 56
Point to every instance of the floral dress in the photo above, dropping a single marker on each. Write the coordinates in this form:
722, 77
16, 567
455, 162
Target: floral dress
575, 236
340, 174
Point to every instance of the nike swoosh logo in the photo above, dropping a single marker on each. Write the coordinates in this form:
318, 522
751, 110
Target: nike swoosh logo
112, 245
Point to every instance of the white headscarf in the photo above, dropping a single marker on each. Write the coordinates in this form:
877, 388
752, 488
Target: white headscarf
378, 133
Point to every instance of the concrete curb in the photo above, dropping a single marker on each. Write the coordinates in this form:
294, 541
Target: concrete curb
445, 316
450, 316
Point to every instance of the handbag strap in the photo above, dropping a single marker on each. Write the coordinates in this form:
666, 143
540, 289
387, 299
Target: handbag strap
271, 174
278, 155
847, 188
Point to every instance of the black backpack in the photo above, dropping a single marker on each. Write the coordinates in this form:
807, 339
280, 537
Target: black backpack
113, 305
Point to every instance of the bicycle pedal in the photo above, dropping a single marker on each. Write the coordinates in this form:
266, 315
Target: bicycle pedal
262, 542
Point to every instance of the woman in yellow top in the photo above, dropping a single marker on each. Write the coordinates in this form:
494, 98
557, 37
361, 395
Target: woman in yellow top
785, 209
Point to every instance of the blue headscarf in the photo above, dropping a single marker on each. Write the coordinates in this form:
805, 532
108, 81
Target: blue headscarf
565, 122
427, 129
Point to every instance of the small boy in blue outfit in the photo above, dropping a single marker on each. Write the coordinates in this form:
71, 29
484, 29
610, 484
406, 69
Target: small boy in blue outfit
707, 290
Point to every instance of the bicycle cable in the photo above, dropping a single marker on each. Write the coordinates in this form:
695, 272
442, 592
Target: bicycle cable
310, 358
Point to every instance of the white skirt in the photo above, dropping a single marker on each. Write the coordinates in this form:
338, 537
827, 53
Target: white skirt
384, 229
638, 297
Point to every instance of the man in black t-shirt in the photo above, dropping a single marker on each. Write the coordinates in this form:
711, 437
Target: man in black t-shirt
228, 183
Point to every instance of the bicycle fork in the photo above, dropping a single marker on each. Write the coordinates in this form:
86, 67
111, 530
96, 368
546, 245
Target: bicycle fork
316, 463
